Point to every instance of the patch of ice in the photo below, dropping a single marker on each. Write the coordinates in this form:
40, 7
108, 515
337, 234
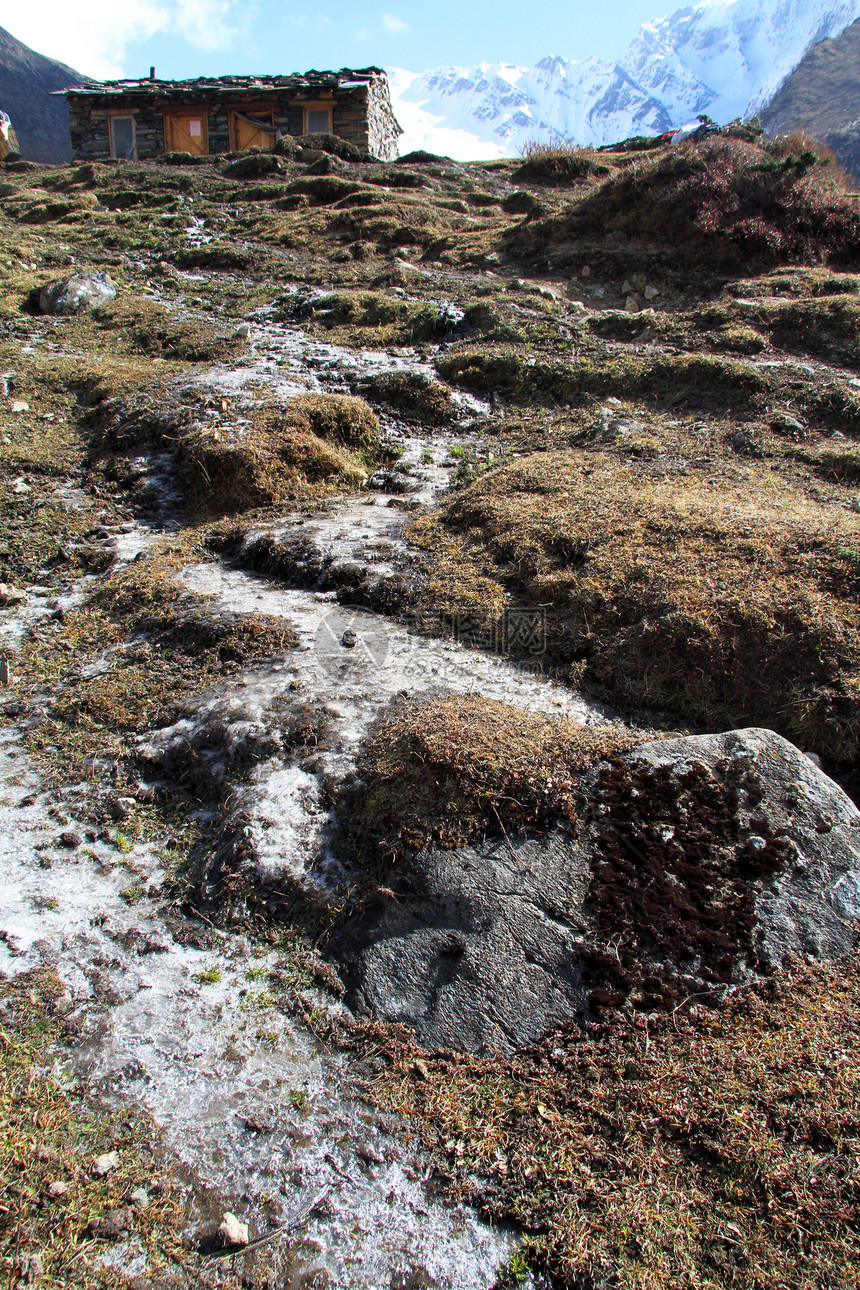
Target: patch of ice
192, 1039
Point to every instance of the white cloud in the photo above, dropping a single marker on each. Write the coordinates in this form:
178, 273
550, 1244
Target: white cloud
393, 25
92, 35
362, 34
206, 23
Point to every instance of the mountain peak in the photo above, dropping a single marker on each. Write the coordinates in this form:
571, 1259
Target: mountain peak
727, 58
26, 81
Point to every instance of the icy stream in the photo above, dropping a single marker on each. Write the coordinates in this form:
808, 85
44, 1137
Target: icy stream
206, 1058
186, 1028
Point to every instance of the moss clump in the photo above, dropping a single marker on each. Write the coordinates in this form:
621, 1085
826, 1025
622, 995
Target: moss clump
315, 440
310, 445
253, 165
829, 326
448, 769
680, 379
148, 328
340, 419
412, 396
558, 164
727, 201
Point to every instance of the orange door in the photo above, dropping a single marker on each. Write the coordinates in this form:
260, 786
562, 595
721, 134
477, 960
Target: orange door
187, 132
250, 135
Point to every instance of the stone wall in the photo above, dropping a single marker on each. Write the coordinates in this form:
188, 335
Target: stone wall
361, 114
383, 128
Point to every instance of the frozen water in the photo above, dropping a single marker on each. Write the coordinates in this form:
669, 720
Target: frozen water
192, 1054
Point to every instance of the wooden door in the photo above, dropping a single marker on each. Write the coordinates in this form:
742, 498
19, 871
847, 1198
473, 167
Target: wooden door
251, 135
187, 131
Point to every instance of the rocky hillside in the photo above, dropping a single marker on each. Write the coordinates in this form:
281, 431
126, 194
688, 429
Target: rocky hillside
822, 97
430, 720
26, 81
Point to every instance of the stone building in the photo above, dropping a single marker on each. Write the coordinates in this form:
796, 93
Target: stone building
140, 119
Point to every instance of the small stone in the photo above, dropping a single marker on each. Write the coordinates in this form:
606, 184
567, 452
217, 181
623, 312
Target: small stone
627, 287
57, 1188
139, 1198
121, 808
232, 1231
5, 674
633, 304
112, 1225
104, 1164
71, 839
243, 331
651, 293
63, 1005
20, 406
349, 639
855, 503
10, 595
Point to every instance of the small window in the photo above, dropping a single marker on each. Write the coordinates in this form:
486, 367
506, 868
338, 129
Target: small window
318, 121
195, 129
122, 138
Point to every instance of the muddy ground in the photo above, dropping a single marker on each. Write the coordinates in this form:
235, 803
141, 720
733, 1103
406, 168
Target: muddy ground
380, 509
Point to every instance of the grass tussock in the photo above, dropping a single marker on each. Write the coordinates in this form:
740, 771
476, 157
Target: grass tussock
557, 163
728, 202
712, 1150
726, 601
156, 644
680, 379
412, 396
313, 442
448, 769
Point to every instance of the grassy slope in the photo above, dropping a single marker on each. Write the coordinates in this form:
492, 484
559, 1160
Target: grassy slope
706, 1151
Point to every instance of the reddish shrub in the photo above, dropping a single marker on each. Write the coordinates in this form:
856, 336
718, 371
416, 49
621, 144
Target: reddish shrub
727, 202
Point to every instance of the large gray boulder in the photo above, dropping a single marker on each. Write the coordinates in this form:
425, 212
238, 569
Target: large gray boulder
79, 293
697, 864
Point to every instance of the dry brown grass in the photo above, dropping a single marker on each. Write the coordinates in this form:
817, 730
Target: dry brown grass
446, 769
278, 459
727, 595
704, 1151
557, 162
52, 1134
796, 142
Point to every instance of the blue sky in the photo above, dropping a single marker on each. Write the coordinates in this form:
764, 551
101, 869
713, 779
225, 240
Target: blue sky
207, 37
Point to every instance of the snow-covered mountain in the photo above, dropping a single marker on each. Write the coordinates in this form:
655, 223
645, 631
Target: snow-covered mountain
724, 57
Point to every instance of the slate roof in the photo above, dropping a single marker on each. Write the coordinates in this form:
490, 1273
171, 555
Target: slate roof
346, 78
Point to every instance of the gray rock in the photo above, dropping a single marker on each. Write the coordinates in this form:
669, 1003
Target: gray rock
697, 863
78, 293
478, 947
812, 903
122, 807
